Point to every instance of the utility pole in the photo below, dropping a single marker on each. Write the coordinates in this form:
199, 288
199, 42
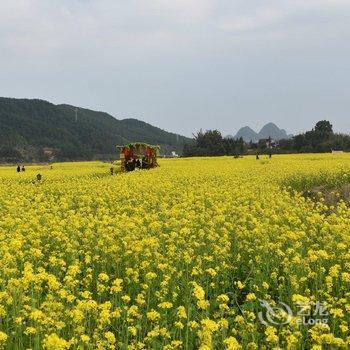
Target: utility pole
75, 114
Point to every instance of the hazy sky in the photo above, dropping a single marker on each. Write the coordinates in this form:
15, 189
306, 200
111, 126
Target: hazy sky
183, 65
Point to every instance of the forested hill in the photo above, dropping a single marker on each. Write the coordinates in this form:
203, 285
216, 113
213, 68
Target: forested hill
35, 130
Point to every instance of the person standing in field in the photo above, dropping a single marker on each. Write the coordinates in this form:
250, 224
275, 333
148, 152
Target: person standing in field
18, 169
23, 168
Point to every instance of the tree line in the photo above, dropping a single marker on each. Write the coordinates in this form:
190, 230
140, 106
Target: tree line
211, 143
320, 139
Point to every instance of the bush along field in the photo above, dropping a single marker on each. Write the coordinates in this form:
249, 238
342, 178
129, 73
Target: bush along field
202, 253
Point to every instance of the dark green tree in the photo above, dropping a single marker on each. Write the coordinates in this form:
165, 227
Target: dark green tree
324, 127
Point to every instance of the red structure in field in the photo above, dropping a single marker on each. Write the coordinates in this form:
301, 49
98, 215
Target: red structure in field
136, 156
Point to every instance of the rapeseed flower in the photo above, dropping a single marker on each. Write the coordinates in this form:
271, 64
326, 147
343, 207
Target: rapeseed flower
177, 256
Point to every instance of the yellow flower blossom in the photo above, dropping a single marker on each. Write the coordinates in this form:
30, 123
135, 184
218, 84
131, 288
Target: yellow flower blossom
180, 257
54, 342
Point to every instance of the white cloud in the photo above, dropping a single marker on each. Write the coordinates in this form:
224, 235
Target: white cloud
39, 25
272, 13
49, 26
262, 18
186, 11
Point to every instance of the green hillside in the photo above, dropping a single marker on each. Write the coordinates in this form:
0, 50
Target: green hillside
35, 130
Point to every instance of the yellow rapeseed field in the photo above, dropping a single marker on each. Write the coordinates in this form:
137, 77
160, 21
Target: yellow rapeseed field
179, 257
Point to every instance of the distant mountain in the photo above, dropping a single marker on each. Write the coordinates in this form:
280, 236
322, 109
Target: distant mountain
247, 134
272, 130
32, 129
268, 130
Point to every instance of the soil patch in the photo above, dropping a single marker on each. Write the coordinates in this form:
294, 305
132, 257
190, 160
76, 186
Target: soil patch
330, 196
